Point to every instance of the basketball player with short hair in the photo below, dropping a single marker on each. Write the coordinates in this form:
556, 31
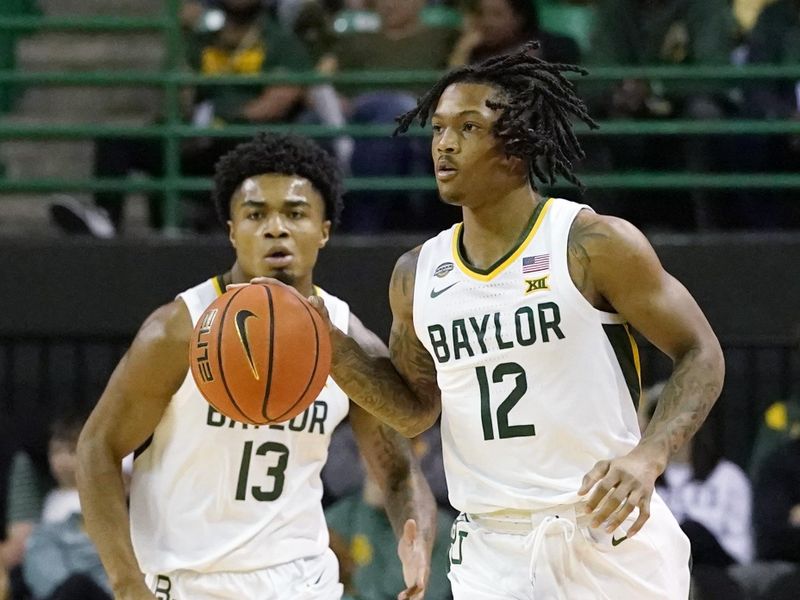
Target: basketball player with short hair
515, 325
219, 509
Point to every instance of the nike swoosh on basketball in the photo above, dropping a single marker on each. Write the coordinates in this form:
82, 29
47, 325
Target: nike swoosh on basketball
435, 293
241, 329
616, 542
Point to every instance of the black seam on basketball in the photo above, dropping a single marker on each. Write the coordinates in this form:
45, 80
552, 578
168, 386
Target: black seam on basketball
316, 362
219, 356
270, 354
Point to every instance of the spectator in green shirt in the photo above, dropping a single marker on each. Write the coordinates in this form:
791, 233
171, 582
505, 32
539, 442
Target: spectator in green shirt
245, 41
361, 522
249, 42
663, 32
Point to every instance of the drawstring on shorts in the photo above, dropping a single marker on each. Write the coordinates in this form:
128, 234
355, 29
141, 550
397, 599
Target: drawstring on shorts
537, 536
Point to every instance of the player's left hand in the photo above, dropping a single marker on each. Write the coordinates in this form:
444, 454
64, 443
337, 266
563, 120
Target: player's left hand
416, 562
618, 487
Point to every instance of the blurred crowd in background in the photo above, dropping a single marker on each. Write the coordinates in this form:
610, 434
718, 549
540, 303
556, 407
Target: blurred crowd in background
229, 37
743, 520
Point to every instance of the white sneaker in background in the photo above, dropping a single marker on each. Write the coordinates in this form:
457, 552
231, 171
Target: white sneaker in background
77, 217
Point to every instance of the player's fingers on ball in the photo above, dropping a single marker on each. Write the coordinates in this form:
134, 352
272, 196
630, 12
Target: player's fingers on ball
264, 280
644, 514
278, 282
319, 305
592, 477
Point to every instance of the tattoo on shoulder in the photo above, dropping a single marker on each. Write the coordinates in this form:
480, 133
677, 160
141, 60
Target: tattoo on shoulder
404, 273
585, 230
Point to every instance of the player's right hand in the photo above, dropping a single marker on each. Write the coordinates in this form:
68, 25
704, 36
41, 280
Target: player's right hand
319, 306
620, 486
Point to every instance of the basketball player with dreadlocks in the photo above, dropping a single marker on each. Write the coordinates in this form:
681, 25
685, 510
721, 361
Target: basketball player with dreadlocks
516, 326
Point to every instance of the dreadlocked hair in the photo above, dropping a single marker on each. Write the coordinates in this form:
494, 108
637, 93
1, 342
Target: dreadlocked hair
537, 103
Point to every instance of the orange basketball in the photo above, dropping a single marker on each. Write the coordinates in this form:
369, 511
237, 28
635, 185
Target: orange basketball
260, 354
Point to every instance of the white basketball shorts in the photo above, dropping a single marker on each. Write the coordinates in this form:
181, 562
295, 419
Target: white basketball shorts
554, 555
315, 578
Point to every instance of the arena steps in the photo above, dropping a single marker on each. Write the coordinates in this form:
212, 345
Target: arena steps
75, 52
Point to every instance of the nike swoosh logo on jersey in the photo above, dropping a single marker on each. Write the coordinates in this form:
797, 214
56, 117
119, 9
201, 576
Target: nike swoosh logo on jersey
435, 293
616, 542
241, 329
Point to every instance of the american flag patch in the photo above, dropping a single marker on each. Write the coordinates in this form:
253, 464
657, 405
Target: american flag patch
539, 262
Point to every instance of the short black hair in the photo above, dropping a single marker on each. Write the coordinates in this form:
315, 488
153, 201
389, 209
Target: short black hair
282, 154
538, 102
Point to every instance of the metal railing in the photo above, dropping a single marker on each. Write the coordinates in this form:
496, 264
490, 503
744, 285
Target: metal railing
171, 79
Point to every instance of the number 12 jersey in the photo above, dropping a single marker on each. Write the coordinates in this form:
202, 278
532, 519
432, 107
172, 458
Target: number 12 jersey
537, 385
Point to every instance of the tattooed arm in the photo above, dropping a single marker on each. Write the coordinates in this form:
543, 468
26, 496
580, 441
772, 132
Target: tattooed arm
408, 499
616, 269
400, 390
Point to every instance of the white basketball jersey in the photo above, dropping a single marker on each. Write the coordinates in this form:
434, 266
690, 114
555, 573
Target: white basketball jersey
537, 385
210, 494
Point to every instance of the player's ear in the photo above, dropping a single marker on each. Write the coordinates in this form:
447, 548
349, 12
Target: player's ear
515, 163
326, 233
230, 233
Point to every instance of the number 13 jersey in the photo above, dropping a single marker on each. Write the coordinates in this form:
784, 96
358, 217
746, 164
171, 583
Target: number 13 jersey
212, 495
537, 385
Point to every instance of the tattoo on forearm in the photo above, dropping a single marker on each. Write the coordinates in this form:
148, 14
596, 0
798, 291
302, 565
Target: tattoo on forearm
685, 402
392, 457
407, 496
374, 384
400, 390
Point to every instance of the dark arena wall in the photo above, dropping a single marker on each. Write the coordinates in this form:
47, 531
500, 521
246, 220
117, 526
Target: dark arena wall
69, 308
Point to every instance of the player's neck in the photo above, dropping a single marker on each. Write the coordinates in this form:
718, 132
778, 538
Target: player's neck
235, 275
492, 229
